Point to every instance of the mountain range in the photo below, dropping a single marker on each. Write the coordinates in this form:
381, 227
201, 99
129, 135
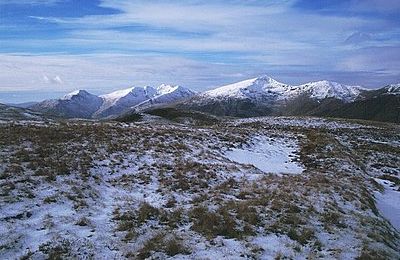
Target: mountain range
264, 96
82, 104
261, 96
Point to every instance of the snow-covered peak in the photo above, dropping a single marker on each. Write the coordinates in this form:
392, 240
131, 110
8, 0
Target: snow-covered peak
166, 94
329, 89
271, 81
247, 88
393, 89
165, 89
115, 96
76, 93
267, 87
168, 89
118, 101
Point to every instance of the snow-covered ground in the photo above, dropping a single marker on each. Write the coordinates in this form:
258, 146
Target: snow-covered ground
105, 190
388, 202
269, 155
306, 122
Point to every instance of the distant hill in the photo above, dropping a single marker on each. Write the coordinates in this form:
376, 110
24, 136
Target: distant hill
23, 105
80, 104
9, 113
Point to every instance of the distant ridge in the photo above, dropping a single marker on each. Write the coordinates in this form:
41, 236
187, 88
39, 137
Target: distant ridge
82, 104
266, 86
265, 96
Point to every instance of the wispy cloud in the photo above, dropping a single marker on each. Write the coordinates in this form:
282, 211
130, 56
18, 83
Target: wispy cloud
204, 27
100, 72
205, 43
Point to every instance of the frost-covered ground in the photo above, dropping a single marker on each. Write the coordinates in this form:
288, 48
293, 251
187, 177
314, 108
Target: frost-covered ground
265, 188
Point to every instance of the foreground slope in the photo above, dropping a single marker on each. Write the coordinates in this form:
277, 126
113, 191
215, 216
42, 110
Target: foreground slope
107, 190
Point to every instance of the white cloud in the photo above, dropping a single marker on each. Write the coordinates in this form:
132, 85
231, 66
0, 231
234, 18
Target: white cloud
100, 73
197, 26
382, 60
103, 73
52, 80
197, 16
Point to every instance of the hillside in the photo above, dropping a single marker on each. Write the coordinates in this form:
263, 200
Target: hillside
259, 188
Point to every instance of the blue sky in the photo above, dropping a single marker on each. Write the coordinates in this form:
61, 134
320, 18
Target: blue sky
56, 46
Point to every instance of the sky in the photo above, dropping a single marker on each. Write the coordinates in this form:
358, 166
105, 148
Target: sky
51, 47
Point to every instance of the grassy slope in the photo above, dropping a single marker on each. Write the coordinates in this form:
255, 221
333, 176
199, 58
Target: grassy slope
76, 189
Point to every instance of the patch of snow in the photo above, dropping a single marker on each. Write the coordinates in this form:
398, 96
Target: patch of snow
29, 115
274, 245
76, 93
224, 249
394, 89
117, 94
70, 95
269, 155
307, 122
165, 89
388, 202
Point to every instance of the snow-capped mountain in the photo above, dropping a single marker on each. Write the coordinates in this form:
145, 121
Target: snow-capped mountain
79, 103
82, 104
252, 88
119, 101
166, 94
328, 89
393, 89
253, 97
261, 87
265, 96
